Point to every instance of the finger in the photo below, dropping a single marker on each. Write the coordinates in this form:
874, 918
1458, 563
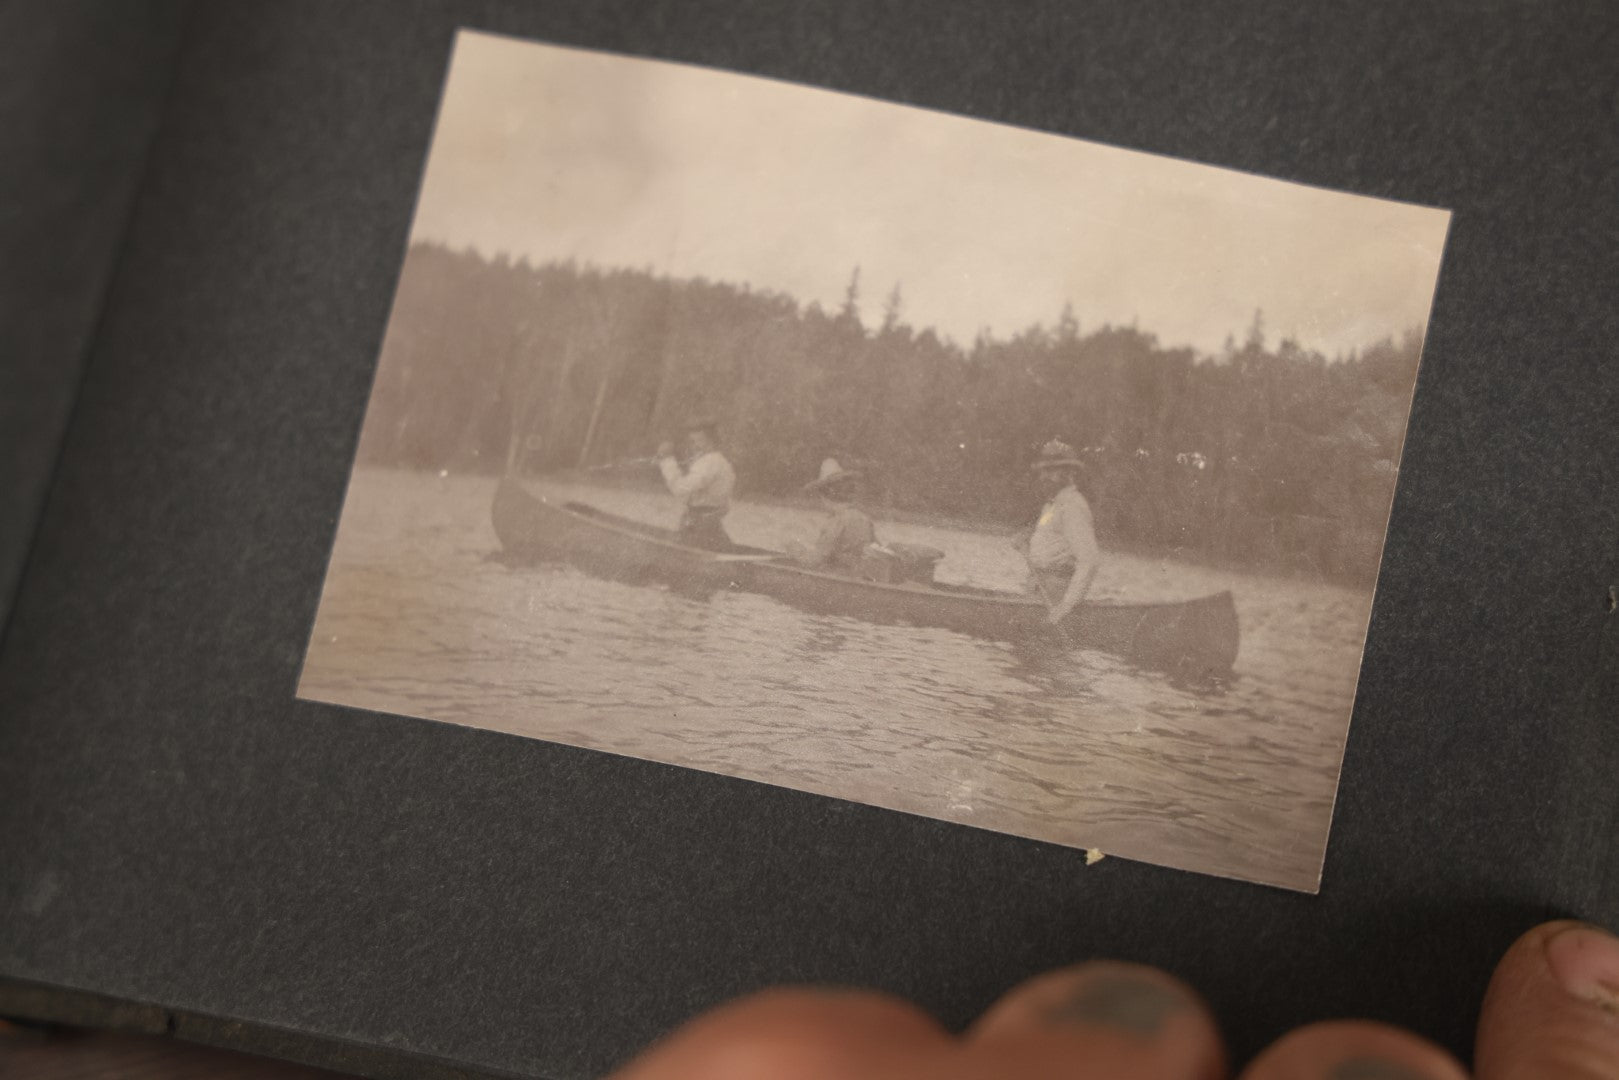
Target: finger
1103, 1020
800, 1035
1352, 1050
1552, 1009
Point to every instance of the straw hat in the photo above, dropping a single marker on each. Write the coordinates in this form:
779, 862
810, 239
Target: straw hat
1057, 454
832, 475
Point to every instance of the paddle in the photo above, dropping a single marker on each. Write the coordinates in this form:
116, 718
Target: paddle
1048, 629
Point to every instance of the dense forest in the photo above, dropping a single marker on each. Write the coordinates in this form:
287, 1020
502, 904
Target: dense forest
1264, 456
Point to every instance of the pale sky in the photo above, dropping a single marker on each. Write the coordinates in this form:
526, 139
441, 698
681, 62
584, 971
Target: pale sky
550, 152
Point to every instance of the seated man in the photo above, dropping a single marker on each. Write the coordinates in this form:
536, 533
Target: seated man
841, 544
703, 486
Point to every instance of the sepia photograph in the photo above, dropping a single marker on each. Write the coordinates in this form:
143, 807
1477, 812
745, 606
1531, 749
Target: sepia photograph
954, 468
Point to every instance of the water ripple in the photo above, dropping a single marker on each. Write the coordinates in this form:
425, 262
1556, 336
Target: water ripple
1080, 749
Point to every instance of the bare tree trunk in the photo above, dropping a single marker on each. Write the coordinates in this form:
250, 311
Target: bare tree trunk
559, 395
586, 340
595, 417
655, 410
515, 435
524, 383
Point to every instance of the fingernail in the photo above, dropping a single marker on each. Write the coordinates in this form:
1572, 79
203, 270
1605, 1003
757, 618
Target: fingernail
1585, 960
1139, 1006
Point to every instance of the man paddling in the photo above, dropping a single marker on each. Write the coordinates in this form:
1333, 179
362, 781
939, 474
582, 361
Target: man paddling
703, 486
1062, 550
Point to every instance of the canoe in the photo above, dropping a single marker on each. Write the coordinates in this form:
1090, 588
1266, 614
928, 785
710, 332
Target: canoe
1194, 638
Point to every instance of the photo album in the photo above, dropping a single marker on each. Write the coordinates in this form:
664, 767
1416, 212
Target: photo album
964, 470
525, 522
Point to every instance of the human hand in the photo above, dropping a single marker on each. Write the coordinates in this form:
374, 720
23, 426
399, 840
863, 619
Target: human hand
1551, 1013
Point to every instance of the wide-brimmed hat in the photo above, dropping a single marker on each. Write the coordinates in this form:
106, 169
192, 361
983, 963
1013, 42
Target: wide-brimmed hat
832, 475
1057, 454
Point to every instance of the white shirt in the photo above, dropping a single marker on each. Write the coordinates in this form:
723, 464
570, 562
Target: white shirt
705, 485
1064, 536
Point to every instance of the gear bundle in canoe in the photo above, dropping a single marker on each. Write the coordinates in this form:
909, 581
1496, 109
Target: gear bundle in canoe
1194, 638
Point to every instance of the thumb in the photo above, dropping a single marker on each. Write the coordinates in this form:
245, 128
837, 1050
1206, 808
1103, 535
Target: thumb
1552, 1009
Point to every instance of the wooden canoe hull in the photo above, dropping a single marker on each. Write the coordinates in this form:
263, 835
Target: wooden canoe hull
1195, 638
531, 527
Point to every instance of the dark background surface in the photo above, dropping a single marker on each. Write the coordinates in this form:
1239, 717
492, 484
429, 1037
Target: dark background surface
82, 84
179, 832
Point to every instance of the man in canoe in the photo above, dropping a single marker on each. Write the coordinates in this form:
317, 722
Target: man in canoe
1062, 550
841, 544
703, 486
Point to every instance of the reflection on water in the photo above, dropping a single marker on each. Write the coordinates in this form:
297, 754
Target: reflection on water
1075, 747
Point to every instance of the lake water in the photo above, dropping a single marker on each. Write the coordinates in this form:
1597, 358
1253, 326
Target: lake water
1079, 749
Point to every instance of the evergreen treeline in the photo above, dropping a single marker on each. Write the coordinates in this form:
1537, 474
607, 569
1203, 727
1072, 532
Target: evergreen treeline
1269, 457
